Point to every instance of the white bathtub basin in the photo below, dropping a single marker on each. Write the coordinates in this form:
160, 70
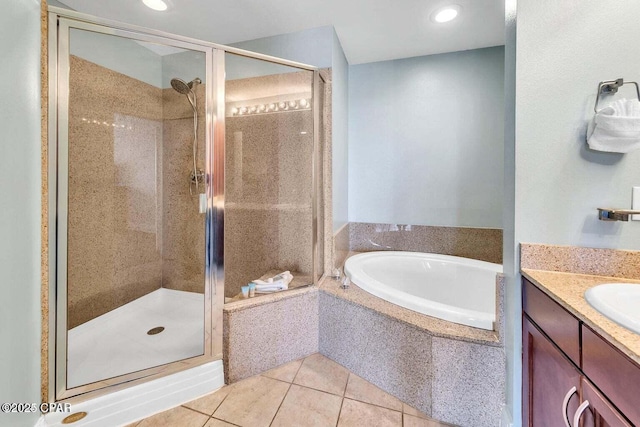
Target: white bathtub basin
619, 302
459, 290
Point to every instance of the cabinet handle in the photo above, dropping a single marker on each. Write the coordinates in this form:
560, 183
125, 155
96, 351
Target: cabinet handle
576, 418
565, 403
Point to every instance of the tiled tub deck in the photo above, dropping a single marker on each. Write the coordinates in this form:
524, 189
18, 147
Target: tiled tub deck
450, 372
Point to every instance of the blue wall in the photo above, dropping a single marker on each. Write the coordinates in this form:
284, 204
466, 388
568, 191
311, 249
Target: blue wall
20, 208
426, 139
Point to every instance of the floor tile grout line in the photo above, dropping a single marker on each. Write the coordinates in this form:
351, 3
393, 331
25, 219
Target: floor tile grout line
340, 411
262, 374
342, 400
221, 402
344, 396
275, 379
218, 419
344, 392
280, 405
317, 389
192, 410
321, 391
300, 367
373, 404
217, 406
195, 410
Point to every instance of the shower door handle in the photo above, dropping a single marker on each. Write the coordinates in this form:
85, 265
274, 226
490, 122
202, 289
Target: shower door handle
202, 199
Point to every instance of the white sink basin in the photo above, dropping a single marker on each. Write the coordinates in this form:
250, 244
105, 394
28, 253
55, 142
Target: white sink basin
620, 302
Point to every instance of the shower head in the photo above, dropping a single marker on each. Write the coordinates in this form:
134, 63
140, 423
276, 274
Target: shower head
182, 87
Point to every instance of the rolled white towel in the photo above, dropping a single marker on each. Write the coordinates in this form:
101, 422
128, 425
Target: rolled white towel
285, 276
276, 287
279, 282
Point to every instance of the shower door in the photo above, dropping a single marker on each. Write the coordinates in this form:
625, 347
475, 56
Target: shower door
270, 176
134, 207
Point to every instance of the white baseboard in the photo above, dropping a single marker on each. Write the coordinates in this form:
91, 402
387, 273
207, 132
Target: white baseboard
126, 406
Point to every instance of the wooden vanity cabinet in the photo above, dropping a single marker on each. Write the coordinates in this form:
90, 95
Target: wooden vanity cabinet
600, 412
555, 386
617, 376
548, 377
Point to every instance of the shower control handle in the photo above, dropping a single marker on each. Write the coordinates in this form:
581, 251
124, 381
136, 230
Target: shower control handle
195, 179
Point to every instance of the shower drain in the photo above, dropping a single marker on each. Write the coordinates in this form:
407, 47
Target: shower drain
155, 331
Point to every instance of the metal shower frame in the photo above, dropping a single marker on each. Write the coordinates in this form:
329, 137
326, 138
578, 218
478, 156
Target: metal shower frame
60, 22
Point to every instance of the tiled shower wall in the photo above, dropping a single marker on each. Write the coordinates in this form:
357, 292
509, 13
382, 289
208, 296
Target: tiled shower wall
114, 251
129, 164
183, 230
268, 183
134, 227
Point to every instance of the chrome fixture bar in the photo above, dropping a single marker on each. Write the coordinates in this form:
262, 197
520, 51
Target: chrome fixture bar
610, 87
615, 214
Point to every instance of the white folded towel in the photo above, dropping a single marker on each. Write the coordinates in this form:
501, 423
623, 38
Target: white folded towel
279, 282
616, 127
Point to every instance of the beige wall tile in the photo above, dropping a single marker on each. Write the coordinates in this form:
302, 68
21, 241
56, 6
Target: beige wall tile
484, 244
113, 252
133, 227
268, 182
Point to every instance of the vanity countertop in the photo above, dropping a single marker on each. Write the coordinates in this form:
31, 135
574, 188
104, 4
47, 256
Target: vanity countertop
568, 289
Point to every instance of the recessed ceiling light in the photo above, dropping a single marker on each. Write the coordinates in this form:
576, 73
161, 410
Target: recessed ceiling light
445, 14
155, 4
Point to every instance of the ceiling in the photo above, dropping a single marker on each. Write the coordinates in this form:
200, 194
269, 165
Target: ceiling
369, 30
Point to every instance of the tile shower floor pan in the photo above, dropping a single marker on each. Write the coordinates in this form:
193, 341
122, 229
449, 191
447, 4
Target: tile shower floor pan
117, 342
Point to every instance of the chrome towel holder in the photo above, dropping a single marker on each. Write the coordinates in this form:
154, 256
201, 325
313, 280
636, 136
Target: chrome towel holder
609, 87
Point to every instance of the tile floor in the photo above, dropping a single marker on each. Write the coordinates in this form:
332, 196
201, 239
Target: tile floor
314, 391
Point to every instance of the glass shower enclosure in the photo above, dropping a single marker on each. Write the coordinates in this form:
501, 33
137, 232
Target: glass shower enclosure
269, 157
182, 170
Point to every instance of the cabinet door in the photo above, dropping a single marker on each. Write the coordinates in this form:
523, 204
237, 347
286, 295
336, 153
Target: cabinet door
612, 372
599, 413
548, 377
